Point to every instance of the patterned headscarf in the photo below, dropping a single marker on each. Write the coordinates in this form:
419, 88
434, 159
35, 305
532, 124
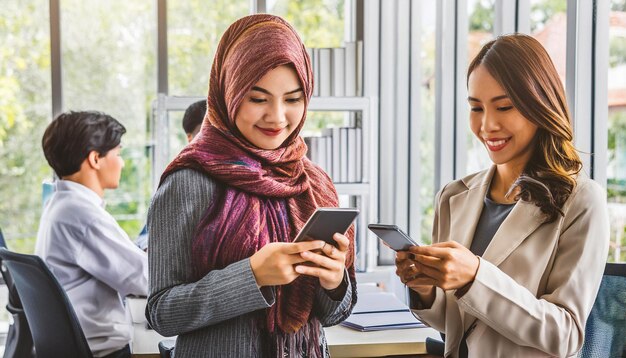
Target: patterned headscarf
267, 195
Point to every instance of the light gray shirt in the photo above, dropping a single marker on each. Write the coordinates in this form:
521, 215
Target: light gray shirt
95, 262
217, 315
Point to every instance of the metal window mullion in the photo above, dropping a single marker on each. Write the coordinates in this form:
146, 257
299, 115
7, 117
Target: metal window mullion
461, 109
445, 63
56, 73
161, 139
504, 17
388, 124
350, 21
162, 75
512, 16
601, 91
522, 16
371, 89
402, 106
579, 75
258, 6
415, 122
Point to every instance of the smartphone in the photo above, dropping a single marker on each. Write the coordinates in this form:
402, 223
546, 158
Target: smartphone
325, 222
392, 236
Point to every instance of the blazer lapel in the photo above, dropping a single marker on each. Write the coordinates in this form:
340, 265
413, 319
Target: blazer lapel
523, 220
465, 208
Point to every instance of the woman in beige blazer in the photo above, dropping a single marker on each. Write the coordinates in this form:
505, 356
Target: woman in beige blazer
543, 223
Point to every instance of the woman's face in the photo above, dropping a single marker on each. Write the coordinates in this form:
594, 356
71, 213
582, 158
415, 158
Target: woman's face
272, 109
503, 130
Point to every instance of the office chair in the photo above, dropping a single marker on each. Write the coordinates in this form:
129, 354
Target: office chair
605, 333
19, 341
53, 323
435, 347
166, 347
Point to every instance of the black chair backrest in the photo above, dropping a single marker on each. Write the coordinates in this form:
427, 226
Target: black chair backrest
6, 276
19, 341
2, 242
53, 323
605, 333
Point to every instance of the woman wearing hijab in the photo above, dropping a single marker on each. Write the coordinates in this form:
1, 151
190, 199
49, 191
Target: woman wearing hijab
225, 275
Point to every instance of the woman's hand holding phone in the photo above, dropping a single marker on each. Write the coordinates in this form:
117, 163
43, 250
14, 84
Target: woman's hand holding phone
330, 263
409, 270
274, 264
448, 265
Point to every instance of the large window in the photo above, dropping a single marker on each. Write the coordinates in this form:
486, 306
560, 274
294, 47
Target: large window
108, 51
426, 142
481, 20
193, 32
616, 171
194, 29
25, 107
548, 24
320, 23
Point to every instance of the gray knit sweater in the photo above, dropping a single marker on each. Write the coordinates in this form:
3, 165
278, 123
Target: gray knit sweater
216, 315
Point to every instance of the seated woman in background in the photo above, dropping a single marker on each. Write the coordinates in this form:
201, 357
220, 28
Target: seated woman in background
519, 249
224, 274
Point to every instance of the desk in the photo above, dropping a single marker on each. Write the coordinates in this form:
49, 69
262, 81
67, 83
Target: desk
342, 341
346, 342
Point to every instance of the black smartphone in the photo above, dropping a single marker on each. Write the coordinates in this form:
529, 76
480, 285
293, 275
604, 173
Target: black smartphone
392, 236
325, 222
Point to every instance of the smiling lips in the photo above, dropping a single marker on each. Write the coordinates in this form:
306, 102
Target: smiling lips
496, 144
271, 132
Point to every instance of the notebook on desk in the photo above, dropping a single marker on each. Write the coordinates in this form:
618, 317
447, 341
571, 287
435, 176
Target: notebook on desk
377, 311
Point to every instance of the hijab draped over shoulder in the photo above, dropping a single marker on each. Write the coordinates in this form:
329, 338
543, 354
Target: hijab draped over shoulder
264, 196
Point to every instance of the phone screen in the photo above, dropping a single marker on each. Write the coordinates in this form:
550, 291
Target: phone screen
325, 222
392, 236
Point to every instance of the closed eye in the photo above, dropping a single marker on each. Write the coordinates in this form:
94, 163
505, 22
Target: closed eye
257, 100
477, 109
504, 109
294, 100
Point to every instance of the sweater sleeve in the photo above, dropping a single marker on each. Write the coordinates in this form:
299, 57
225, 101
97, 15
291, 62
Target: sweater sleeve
177, 304
331, 312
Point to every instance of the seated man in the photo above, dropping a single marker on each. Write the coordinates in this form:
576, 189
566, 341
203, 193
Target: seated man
192, 120
82, 244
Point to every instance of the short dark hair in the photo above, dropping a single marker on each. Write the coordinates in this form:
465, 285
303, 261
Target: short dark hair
71, 136
194, 115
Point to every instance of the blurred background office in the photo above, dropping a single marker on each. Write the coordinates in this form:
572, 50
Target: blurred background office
389, 121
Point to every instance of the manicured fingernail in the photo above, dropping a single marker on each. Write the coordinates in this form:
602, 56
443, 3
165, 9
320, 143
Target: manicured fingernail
305, 254
299, 269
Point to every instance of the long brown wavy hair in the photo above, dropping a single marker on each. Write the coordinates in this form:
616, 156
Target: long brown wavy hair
526, 73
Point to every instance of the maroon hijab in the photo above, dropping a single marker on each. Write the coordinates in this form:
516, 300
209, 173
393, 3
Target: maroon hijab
267, 195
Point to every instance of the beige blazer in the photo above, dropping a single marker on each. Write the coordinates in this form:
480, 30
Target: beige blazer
536, 283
